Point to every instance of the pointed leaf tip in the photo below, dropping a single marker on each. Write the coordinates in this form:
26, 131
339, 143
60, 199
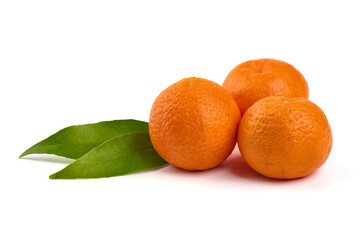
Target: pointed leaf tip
126, 154
74, 141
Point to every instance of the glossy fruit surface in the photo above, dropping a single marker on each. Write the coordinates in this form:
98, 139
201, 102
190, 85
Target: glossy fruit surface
193, 124
284, 138
255, 79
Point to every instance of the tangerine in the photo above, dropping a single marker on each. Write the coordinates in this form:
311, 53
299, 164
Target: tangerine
255, 79
284, 138
193, 124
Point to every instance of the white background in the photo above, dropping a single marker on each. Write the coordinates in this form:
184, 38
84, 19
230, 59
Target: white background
75, 62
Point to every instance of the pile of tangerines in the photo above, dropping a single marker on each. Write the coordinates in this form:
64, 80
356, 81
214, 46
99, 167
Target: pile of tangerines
195, 123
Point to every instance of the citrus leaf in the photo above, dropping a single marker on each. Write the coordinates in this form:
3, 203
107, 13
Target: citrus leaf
121, 155
74, 141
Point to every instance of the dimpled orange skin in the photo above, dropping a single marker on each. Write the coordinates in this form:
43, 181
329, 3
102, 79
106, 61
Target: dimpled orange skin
193, 124
284, 138
255, 79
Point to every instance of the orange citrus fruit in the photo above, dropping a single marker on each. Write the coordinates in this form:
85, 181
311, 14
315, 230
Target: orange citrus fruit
193, 124
255, 79
284, 138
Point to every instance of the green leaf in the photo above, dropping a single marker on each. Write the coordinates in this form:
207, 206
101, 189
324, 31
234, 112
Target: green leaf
121, 155
74, 141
